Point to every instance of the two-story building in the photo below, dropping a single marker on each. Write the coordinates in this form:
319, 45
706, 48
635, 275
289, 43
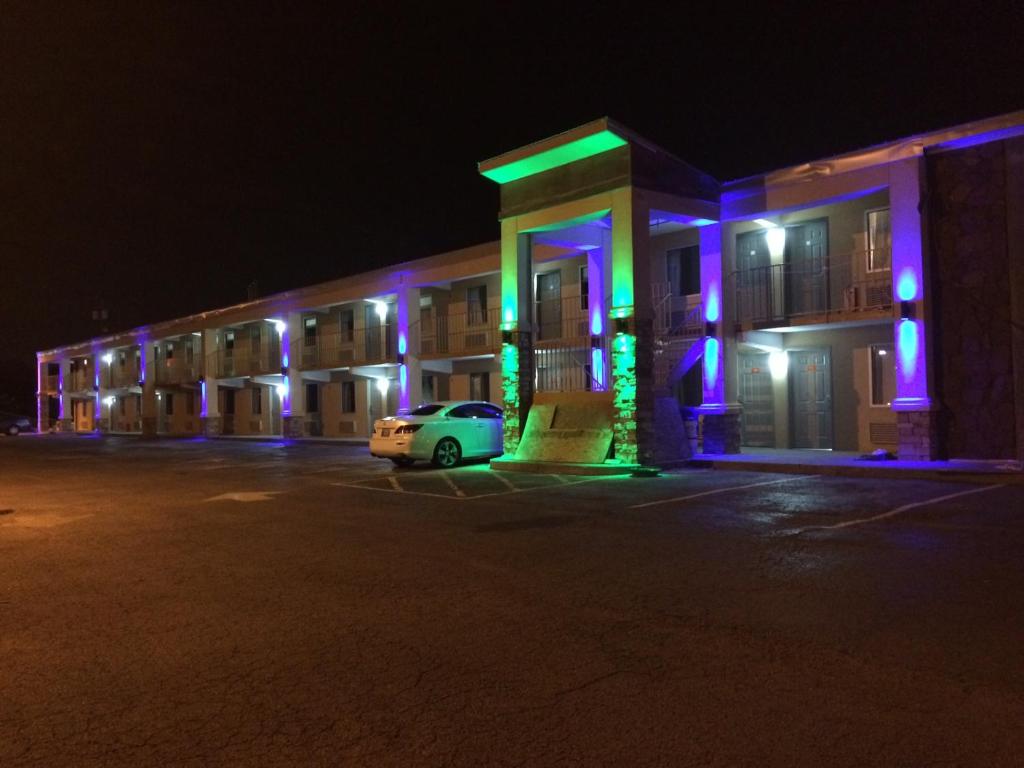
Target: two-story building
870, 300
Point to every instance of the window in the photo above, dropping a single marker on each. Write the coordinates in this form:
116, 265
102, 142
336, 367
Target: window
309, 331
169, 403
348, 325
348, 397
53, 369
190, 352
476, 304
229, 402
462, 412
121, 359
883, 375
256, 396
479, 386
121, 405
879, 240
170, 352
138, 405
428, 388
426, 410
488, 411
584, 288
683, 266
312, 398
229, 342
255, 339
190, 403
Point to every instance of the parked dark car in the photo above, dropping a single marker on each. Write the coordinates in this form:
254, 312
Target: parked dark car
12, 424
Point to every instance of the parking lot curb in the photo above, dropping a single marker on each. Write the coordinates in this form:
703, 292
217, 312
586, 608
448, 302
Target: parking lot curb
869, 470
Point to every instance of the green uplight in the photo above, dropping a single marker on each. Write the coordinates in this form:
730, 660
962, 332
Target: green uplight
624, 398
510, 396
579, 149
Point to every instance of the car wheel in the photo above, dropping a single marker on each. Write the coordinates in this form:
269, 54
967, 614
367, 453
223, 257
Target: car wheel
13, 430
402, 461
447, 453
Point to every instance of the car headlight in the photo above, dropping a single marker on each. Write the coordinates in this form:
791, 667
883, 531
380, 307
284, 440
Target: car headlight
408, 429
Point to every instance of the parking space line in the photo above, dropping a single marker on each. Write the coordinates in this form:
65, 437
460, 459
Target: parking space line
721, 490
899, 510
392, 490
534, 488
448, 481
394, 483
505, 481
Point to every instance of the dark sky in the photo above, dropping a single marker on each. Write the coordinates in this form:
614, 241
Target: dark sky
156, 157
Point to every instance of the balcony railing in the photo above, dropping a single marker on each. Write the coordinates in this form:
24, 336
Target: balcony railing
561, 319
246, 361
80, 381
177, 371
121, 378
460, 334
841, 285
339, 349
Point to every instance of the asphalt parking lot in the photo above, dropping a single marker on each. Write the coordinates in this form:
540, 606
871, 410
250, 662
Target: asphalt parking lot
202, 603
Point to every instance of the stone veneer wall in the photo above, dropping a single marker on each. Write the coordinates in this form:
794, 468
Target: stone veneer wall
973, 289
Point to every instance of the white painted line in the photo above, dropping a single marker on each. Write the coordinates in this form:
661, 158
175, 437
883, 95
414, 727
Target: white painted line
536, 488
560, 479
453, 486
904, 508
392, 490
395, 484
505, 481
721, 490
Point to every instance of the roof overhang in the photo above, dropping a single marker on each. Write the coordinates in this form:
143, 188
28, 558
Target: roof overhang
579, 143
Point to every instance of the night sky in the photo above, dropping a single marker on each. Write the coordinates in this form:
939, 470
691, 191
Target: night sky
157, 157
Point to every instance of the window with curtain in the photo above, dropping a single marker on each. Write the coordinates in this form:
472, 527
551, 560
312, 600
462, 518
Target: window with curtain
879, 240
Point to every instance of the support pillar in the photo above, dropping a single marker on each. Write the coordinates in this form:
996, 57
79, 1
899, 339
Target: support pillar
720, 411
516, 331
291, 394
410, 373
917, 419
149, 402
65, 422
209, 400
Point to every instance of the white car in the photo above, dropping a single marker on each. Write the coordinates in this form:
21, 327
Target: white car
444, 433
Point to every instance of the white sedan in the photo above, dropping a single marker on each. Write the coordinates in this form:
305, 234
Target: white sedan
444, 433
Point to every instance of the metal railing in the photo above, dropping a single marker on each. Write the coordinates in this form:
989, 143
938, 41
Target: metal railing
839, 284
464, 333
565, 368
121, 378
562, 318
80, 380
245, 361
335, 348
176, 371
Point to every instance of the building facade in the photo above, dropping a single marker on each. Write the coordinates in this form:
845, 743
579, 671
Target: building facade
870, 300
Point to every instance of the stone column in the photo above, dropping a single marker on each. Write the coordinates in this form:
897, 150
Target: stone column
916, 415
516, 331
719, 411
149, 402
410, 374
209, 400
293, 395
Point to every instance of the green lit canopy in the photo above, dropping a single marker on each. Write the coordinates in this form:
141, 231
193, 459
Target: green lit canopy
586, 141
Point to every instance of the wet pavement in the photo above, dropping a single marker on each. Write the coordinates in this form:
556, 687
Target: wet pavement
236, 603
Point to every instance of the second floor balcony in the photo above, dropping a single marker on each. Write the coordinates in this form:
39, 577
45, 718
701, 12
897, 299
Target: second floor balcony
830, 289
344, 347
460, 334
245, 359
176, 370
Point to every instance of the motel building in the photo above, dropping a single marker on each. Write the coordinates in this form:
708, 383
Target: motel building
871, 300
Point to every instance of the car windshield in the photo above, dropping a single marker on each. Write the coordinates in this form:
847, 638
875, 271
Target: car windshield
426, 410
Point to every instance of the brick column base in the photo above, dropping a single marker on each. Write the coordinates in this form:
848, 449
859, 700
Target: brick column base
293, 426
918, 436
102, 425
722, 433
149, 426
210, 425
65, 425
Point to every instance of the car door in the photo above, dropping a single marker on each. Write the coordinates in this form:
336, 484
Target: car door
491, 416
466, 427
